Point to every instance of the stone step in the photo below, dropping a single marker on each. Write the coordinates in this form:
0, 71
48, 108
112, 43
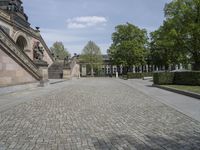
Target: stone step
56, 70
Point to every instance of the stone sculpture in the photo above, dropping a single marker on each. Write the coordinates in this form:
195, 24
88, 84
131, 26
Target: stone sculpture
38, 52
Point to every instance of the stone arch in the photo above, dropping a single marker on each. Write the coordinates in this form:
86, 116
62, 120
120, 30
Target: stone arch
22, 43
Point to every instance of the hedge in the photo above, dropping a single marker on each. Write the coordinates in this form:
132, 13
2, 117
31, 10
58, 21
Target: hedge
178, 78
131, 75
187, 78
163, 78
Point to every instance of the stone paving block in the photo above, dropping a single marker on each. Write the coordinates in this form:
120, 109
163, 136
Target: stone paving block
96, 114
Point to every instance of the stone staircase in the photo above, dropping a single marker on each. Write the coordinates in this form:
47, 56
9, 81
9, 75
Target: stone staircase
9, 47
56, 70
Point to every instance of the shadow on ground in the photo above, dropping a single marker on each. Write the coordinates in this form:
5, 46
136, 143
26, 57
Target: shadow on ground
127, 142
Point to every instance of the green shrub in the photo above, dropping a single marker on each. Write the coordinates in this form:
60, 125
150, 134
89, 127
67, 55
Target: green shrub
187, 78
177, 78
163, 78
131, 75
138, 75
147, 74
123, 77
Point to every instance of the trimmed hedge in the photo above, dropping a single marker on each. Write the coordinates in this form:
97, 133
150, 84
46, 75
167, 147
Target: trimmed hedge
147, 74
163, 78
134, 75
131, 75
178, 78
187, 78
125, 77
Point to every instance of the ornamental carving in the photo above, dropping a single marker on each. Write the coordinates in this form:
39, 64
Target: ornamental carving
38, 52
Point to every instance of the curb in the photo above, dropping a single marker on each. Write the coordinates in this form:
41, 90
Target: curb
17, 88
55, 82
186, 93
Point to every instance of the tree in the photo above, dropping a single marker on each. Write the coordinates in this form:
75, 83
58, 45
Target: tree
164, 47
184, 16
91, 54
129, 46
59, 51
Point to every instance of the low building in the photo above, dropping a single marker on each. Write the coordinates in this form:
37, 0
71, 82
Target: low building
110, 69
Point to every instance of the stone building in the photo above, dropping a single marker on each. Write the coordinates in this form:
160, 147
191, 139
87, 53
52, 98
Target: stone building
109, 69
106, 69
24, 56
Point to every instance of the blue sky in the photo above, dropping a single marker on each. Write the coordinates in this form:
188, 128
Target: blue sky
75, 22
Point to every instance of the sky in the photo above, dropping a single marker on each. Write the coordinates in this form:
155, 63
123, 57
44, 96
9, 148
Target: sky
75, 22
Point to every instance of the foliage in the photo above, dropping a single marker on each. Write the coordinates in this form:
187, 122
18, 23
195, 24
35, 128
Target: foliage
177, 40
138, 75
187, 78
162, 78
177, 78
129, 45
124, 76
91, 54
163, 47
59, 51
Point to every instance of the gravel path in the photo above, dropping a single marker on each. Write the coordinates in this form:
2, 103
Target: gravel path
96, 114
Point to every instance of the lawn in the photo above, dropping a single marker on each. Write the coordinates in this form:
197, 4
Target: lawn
194, 89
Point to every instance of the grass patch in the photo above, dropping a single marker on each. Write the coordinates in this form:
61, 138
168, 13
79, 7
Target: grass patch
194, 89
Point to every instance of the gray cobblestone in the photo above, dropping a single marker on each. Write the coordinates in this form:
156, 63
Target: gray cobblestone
96, 114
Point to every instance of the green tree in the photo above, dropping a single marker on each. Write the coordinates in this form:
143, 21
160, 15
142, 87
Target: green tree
91, 54
129, 46
59, 51
184, 16
165, 48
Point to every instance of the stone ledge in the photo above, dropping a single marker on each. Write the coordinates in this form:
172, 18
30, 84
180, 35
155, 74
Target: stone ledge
15, 88
186, 93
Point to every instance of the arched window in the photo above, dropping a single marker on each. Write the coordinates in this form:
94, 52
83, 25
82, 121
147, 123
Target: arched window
21, 42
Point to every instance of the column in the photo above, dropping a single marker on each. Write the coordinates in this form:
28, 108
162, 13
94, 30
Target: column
133, 69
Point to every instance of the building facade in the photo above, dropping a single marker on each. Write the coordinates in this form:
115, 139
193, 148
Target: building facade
110, 69
22, 49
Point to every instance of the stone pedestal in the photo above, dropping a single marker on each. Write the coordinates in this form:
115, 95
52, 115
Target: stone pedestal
67, 73
43, 71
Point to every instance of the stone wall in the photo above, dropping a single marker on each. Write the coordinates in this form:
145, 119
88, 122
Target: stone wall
11, 73
15, 32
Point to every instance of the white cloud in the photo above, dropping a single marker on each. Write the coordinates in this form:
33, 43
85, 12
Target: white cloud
86, 21
53, 35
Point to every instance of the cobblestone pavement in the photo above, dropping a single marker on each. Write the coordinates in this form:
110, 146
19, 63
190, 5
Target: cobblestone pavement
96, 114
